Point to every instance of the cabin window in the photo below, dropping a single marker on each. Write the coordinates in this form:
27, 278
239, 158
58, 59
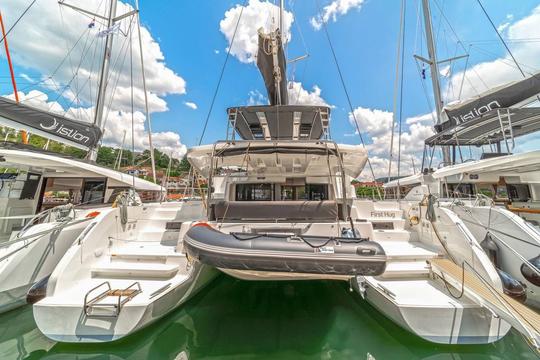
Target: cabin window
254, 192
485, 189
317, 192
460, 190
518, 192
502, 192
93, 192
29, 189
312, 192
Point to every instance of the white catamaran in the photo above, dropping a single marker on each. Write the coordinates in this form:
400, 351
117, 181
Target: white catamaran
106, 264
281, 206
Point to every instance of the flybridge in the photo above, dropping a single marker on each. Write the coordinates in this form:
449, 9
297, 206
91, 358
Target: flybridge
50, 125
285, 122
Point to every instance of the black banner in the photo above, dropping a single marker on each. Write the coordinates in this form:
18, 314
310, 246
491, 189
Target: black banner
503, 97
49, 125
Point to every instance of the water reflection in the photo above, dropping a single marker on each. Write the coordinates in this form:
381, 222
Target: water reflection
233, 319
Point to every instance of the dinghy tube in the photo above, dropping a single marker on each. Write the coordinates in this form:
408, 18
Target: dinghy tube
285, 253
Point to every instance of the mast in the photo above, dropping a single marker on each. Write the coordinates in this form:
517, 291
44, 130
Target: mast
104, 74
281, 10
24, 134
434, 67
275, 48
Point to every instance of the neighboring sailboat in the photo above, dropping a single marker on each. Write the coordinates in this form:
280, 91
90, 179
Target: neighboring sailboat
34, 234
494, 118
125, 269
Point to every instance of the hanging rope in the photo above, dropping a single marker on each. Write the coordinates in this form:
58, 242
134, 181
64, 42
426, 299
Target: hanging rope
401, 100
346, 91
221, 74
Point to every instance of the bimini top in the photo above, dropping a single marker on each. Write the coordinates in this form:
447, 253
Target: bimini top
52, 165
294, 158
280, 122
508, 165
491, 127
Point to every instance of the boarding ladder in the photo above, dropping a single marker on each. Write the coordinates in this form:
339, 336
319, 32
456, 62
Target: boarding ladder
505, 121
521, 317
231, 124
101, 304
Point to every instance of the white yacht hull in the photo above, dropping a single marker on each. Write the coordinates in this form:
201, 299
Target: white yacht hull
69, 323
24, 264
121, 277
443, 322
507, 228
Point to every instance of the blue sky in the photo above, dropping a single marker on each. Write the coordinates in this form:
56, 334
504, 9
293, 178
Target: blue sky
365, 40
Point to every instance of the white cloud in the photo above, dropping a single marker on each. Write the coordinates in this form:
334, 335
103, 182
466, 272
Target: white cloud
332, 10
489, 74
191, 105
502, 27
445, 71
377, 124
257, 14
256, 98
300, 96
216, 51
46, 25
63, 59
429, 118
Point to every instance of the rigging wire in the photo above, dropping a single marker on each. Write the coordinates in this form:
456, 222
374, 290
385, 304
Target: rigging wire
401, 96
501, 38
443, 15
396, 84
346, 91
222, 73
18, 19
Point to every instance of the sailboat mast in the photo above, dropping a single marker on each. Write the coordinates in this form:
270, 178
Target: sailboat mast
434, 67
432, 60
281, 10
275, 48
104, 74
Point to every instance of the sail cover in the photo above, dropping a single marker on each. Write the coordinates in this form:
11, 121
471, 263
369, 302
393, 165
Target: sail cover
502, 97
265, 63
49, 125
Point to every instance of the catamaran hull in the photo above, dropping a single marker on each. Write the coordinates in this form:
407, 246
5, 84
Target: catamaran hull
24, 265
68, 323
440, 324
274, 257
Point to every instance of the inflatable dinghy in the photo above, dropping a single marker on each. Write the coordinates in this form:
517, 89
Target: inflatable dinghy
285, 253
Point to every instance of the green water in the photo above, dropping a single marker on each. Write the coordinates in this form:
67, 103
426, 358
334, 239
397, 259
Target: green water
233, 319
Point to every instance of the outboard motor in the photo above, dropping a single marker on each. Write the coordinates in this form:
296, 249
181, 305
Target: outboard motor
38, 291
512, 287
529, 274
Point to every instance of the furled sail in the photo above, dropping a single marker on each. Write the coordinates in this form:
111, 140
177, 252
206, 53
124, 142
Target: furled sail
501, 97
273, 65
47, 124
